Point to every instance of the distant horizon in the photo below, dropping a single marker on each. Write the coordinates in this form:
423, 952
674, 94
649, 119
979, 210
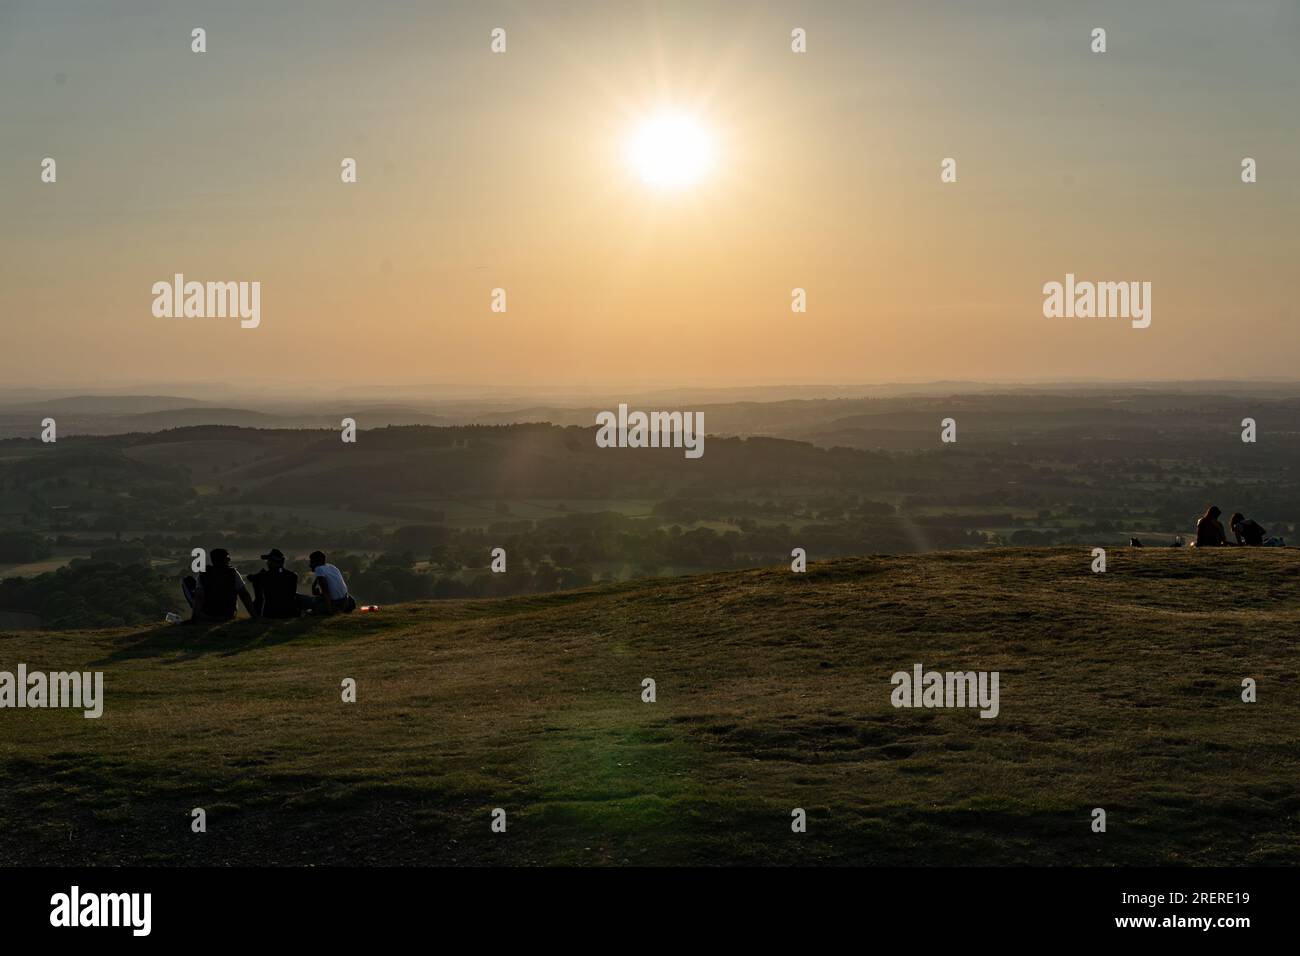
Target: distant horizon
161, 387
255, 394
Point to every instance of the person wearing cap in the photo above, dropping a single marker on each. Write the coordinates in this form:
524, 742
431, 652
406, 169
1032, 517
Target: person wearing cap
275, 587
212, 596
330, 590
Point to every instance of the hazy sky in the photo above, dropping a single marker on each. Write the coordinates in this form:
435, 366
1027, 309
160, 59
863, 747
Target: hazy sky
479, 170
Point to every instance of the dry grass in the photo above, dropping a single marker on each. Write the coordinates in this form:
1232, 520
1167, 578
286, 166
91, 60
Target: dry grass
1119, 690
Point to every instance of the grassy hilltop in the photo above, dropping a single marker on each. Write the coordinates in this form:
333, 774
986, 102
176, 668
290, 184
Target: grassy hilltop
1118, 690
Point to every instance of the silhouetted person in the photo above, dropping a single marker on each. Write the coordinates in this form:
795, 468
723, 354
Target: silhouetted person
212, 596
275, 587
1209, 530
1247, 531
330, 591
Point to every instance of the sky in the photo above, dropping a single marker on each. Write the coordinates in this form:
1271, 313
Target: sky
479, 171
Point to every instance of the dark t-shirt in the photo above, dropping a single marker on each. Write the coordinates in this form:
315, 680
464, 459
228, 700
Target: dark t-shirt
218, 587
275, 593
1209, 532
1251, 532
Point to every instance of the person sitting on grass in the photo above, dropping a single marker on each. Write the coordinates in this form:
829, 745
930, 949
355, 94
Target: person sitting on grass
1209, 530
1250, 533
212, 596
275, 587
329, 590
1246, 531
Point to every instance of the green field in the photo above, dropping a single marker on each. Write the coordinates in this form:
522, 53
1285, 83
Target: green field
1118, 690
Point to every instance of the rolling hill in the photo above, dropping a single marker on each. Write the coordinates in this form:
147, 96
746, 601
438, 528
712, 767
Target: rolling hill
1119, 690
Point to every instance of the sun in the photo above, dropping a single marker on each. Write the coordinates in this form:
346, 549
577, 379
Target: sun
671, 150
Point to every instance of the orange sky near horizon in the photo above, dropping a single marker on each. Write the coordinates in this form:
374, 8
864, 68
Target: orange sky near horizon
479, 171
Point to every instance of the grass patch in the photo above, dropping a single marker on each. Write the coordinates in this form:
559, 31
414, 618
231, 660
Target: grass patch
1119, 690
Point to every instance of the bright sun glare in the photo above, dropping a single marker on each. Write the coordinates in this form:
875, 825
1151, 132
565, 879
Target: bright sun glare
670, 150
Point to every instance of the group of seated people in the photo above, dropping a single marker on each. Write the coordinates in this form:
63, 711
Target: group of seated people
1247, 531
213, 593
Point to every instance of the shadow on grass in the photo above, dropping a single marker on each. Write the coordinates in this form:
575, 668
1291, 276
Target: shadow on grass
187, 642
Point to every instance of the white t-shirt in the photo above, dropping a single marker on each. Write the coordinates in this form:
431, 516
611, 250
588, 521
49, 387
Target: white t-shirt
332, 582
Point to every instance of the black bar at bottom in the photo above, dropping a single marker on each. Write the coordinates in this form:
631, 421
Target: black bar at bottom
334, 905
